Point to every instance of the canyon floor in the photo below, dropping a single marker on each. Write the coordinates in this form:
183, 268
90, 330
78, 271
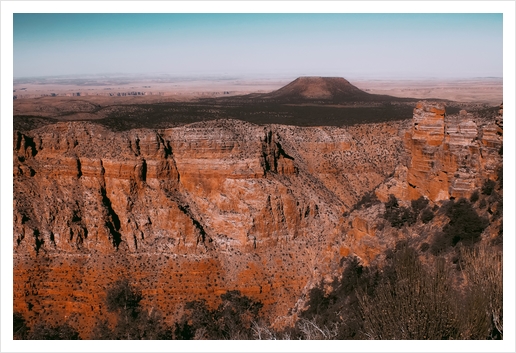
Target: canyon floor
191, 190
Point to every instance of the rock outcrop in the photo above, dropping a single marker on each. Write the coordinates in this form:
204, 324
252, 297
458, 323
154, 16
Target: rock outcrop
450, 157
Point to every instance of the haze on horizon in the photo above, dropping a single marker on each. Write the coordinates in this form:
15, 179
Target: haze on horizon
349, 45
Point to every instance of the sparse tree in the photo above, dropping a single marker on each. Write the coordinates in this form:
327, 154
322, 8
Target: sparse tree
20, 329
482, 269
44, 331
418, 304
133, 321
232, 319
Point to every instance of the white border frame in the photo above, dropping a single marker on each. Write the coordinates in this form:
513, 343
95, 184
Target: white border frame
10, 7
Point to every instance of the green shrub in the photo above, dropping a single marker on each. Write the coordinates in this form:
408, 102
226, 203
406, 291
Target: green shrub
123, 298
328, 310
406, 300
440, 244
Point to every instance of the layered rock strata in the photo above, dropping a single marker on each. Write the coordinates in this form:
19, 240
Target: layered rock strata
450, 157
186, 213
190, 212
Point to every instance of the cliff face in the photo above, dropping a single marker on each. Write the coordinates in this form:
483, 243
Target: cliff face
193, 211
445, 157
449, 157
187, 213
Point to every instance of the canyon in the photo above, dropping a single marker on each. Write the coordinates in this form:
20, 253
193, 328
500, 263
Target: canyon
192, 211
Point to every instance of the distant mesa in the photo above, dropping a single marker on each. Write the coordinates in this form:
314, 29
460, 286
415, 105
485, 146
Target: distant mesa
327, 89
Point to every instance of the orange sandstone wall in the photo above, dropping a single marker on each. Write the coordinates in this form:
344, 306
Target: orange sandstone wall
185, 213
449, 156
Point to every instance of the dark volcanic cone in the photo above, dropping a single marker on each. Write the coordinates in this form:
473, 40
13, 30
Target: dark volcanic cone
323, 89
318, 88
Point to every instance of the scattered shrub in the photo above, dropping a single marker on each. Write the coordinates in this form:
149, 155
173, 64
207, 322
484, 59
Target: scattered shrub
419, 204
465, 225
440, 243
44, 331
499, 174
133, 321
419, 304
20, 329
488, 187
232, 319
396, 215
474, 197
427, 215
368, 200
121, 297
483, 304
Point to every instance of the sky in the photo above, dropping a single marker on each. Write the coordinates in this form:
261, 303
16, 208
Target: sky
348, 45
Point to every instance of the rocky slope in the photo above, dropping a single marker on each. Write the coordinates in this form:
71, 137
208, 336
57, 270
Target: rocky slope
193, 211
447, 158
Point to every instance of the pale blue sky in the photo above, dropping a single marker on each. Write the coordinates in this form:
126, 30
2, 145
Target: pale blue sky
348, 45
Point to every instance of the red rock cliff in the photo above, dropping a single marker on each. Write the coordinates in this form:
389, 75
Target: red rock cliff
449, 156
185, 213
